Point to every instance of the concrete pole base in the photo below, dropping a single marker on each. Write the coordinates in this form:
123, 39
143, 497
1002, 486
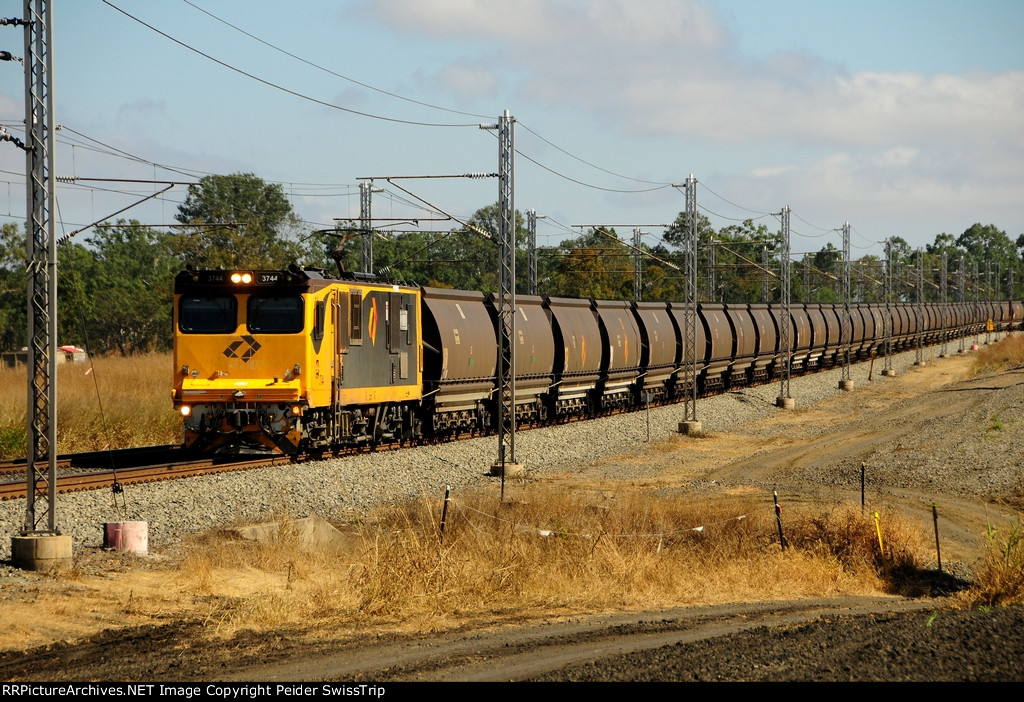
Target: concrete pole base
512, 470
889, 373
40, 552
921, 364
786, 403
846, 385
690, 428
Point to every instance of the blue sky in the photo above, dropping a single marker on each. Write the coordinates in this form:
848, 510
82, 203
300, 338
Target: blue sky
903, 118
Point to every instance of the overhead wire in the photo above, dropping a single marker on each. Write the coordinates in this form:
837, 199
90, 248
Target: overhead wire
733, 219
278, 86
825, 230
588, 163
723, 199
870, 241
110, 150
659, 184
425, 104
809, 236
584, 183
328, 70
590, 185
192, 173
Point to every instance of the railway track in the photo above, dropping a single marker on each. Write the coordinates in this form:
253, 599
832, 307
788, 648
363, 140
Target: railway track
78, 472
114, 459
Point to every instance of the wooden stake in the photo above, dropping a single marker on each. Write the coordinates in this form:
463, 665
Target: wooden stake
444, 510
778, 518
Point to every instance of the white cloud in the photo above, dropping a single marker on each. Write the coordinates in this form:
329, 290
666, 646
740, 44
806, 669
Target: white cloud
144, 107
798, 127
469, 81
771, 171
663, 67
545, 22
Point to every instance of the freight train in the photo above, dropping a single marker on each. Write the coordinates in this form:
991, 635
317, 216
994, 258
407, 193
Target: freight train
302, 362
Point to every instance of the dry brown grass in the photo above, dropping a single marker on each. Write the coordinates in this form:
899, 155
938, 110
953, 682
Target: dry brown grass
134, 393
1005, 354
549, 555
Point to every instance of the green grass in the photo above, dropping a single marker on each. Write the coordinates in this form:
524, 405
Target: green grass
1001, 581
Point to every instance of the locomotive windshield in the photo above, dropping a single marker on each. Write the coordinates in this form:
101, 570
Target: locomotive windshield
276, 315
208, 315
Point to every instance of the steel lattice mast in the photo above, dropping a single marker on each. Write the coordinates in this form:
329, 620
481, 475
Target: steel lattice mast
41, 259
531, 228
785, 326
637, 266
960, 298
977, 306
807, 278
366, 225
988, 298
764, 274
506, 292
1009, 293
846, 323
711, 268
689, 360
944, 292
887, 322
919, 309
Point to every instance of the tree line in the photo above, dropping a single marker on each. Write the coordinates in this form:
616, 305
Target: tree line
737, 263
115, 286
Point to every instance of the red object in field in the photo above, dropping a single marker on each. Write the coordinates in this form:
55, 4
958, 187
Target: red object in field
130, 537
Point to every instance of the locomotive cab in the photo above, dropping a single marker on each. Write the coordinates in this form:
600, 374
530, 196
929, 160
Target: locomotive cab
294, 361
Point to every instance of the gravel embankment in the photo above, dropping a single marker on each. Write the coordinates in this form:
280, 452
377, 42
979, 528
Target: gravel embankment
971, 451
339, 489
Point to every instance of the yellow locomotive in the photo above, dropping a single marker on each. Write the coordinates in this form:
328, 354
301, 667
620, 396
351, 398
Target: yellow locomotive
295, 360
